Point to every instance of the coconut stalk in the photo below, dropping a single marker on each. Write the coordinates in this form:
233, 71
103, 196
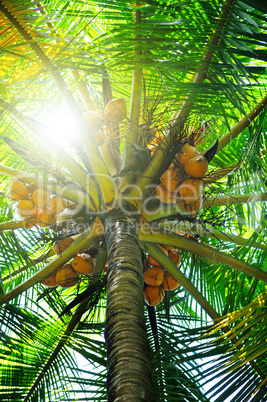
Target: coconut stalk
156, 166
85, 240
84, 90
129, 368
110, 149
162, 236
186, 227
242, 124
133, 128
229, 200
162, 211
12, 225
91, 148
106, 88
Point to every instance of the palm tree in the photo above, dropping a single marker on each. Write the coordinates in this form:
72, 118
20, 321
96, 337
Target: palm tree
188, 74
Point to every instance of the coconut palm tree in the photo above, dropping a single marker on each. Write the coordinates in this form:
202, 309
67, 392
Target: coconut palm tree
163, 166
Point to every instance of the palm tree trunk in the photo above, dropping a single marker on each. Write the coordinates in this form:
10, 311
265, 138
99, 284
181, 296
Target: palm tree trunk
129, 368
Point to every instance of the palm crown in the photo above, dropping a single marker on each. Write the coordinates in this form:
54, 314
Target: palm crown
165, 169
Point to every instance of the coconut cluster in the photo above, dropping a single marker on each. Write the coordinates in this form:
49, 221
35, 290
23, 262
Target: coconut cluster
68, 275
36, 206
182, 182
157, 280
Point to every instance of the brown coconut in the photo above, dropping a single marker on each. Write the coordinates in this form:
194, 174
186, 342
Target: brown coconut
61, 245
153, 276
169, 283
66, 277
153, 295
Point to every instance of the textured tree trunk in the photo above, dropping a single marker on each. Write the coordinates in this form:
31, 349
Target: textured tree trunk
129, 368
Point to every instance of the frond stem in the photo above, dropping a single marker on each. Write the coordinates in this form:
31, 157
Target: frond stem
132, 133
186, 227
163, 236
243, 123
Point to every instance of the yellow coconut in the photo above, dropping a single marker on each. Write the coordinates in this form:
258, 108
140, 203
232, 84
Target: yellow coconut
115, 111
46, 218
32, 188
186, 153
167, 247
57, 204
154, 262
41, 197
17, 190
196, 167
191, 208
169, 283
31, 222
94, 121
25, 208
174, 256
50, 280
172, 178
83, 263
190, 190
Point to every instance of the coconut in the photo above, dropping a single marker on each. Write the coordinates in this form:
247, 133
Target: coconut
41, 197
153, 295
172, 178
94, 121
46, 218
169, 283
186, 153
190, 190
115, 111
25, 208
83, 263
61, 245
196, 167
66, 277
17, 190
153, 276
154, 262
50, 280
57, 204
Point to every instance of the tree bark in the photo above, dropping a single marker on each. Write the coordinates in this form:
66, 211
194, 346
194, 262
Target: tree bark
129, 367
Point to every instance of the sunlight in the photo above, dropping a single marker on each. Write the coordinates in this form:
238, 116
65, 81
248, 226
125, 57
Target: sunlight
61, 125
